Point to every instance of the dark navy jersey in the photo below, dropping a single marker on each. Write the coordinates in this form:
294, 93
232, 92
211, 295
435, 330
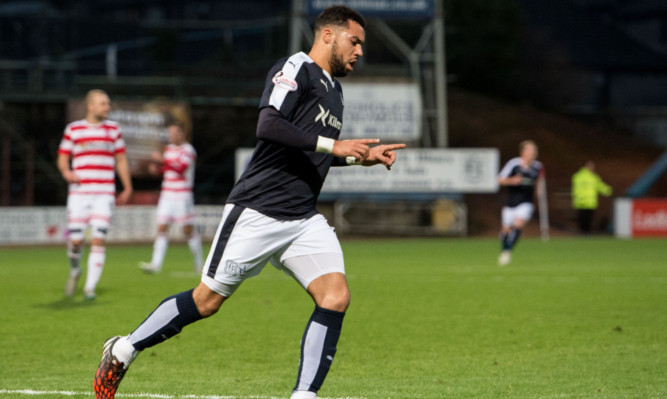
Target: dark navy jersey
282, 181
525, 191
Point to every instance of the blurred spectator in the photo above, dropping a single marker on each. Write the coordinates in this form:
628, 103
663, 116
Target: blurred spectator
586, 185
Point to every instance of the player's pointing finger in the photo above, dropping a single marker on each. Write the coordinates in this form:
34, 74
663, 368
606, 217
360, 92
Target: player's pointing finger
389, 147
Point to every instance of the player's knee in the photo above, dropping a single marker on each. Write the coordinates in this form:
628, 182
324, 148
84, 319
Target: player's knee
98, 234
210, 307
337, 300
208, 302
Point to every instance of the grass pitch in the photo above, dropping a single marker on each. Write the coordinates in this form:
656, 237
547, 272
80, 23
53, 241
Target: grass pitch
430, 318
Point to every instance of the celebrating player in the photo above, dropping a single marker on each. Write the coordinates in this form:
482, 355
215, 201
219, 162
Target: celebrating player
95, 147
270, 214
521, 175
176, 203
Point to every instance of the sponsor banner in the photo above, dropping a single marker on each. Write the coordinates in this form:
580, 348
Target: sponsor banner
143, 125
649, 218
33, 225
130, 224
622, 212
467, 170
387, 111
394, 9
645, 217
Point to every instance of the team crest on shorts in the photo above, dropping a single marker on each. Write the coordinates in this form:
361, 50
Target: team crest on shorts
234, 269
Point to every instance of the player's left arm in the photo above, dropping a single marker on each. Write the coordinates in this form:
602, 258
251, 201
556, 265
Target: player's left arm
123, 170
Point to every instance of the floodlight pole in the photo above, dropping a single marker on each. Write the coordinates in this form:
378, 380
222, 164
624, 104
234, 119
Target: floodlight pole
440, 74
299, 28
295, 26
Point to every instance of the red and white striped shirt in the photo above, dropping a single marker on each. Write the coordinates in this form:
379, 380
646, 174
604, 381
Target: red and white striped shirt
178, 169
93, 149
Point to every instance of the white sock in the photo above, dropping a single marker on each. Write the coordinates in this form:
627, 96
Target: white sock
303, 395
124, 351
159, 250
194, 242
95, 267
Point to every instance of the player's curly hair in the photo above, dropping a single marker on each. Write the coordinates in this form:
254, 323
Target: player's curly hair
338, 16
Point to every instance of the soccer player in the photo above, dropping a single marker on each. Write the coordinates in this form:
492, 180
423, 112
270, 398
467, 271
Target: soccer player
521, 175
176, 204
270, 214
94, 147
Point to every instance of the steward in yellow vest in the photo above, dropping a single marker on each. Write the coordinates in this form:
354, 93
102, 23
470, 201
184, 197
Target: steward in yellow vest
586, 185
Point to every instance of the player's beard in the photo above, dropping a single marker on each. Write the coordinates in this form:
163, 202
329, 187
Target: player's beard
338, 67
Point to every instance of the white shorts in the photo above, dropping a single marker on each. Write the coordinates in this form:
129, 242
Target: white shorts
176, 209
522, 211
246, 240
93, 209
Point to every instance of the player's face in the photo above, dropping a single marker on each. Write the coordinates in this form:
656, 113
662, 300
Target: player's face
529, 152
176, 135
99, 106
346, 49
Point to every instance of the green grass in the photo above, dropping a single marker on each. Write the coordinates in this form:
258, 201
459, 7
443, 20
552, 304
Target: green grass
430, 318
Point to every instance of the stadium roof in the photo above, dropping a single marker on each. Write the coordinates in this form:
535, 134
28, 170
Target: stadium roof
27, 8
592, 41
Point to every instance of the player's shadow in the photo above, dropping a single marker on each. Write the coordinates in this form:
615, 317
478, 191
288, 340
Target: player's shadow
66, 304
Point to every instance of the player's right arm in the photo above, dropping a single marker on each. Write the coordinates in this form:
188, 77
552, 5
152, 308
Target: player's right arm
510, 181
504, 178
64, 168
273, 127
64, 156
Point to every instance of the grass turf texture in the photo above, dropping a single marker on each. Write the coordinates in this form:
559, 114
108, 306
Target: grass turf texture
430, 318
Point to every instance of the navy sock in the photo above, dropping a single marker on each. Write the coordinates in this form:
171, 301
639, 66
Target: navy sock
513, 238
318, 347
503, 240
167, 320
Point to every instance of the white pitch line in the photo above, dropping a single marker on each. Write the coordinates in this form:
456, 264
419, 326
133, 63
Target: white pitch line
32, 392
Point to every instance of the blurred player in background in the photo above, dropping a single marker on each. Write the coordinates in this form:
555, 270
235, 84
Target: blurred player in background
521, 175
176, 204
95, 148
271, 215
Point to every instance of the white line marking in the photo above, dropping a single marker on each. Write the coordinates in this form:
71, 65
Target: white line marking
137, 395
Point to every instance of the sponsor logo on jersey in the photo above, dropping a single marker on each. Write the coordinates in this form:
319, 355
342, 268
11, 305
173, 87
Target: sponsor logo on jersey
96, 146
280, 80
326, 86
325, 117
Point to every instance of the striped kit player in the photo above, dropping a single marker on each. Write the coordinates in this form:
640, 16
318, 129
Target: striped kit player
271, 216
176, 204
90, 152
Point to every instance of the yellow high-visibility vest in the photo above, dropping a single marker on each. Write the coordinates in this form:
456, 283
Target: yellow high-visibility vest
585, 188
